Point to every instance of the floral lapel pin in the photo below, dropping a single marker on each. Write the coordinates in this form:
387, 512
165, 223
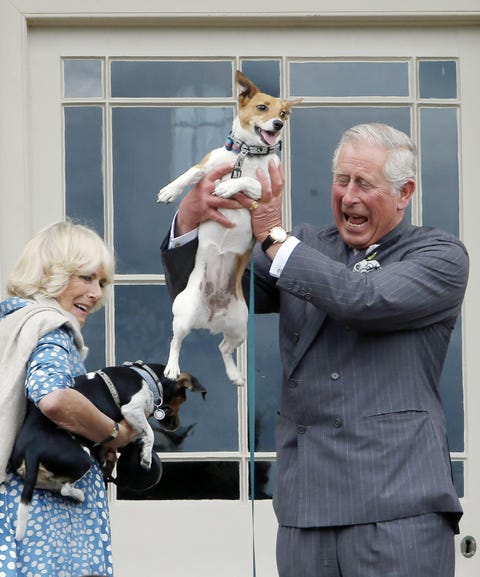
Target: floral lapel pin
368, 263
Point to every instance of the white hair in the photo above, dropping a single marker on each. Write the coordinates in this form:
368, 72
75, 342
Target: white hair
400, 165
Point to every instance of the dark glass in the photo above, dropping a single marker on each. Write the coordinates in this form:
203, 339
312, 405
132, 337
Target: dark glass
264, 473
84, 165
439, 160
263, 73
94, 336
151, 147
337, 79
167, 79
268, 381
458, 471
437, 79
192, 480
315, 133
143, 331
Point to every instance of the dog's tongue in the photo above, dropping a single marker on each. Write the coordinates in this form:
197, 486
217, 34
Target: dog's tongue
268, 137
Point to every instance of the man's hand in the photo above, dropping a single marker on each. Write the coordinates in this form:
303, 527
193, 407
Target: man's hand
268, 211
200, 204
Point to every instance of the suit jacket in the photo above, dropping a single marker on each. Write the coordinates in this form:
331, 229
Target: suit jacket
361, 433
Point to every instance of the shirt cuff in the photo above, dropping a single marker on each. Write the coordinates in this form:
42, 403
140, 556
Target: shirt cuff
283, 254
178, 241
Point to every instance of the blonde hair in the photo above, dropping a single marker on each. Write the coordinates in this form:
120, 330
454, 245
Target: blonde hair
52, 256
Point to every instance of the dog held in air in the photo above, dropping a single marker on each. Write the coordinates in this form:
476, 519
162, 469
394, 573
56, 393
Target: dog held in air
213, 298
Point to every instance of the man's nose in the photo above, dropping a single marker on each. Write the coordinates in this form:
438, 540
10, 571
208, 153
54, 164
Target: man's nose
351, 193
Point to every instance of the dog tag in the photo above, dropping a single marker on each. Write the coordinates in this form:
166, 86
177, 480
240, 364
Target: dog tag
159, 414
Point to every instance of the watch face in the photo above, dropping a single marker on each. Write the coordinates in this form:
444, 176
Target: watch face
278, 234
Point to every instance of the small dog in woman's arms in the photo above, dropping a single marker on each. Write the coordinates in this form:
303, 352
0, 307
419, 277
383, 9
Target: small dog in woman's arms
51, 458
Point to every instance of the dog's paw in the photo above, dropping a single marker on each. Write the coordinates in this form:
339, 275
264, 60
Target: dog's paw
172, 371
69, 490
168, 193
226, 189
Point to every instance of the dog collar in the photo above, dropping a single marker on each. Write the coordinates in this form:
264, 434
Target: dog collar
243, 150
154, 384
236, 145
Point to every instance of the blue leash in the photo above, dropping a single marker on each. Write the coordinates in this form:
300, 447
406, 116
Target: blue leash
251, 400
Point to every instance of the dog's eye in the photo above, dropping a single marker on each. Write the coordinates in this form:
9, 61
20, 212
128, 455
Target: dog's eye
262, 107
283, 114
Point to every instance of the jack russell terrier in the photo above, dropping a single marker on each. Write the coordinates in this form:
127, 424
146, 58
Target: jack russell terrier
213, 298
51, 458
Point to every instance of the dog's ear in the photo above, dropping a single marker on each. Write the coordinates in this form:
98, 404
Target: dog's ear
290, 103
246, 87
187, 381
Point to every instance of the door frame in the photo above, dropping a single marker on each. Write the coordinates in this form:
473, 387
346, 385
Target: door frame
18, 17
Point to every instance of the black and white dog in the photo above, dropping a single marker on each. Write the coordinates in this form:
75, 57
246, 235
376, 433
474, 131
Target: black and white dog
48, 457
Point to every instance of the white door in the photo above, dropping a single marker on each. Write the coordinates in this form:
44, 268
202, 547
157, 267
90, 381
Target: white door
116, 113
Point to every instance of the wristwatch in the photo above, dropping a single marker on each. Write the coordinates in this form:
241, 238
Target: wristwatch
113, 434
275, 235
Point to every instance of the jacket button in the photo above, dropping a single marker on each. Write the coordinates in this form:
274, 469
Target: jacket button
296, 337
334, 376
292, 383
338, 423
301, 429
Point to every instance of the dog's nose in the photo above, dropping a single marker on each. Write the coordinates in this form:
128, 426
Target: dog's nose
277, 125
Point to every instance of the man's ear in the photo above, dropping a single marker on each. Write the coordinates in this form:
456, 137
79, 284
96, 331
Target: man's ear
406, 193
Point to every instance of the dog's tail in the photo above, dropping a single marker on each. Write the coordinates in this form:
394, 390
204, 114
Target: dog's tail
23, 512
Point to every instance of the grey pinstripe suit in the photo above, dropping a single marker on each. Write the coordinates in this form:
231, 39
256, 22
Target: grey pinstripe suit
361, 433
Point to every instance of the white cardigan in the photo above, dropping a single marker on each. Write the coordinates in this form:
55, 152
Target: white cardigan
20, 332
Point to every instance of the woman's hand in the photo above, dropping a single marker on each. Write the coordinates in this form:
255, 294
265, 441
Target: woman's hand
200, 204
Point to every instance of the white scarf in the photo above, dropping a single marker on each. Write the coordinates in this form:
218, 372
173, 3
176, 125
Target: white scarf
20, 332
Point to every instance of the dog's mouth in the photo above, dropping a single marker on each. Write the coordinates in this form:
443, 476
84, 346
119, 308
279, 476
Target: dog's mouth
269, 137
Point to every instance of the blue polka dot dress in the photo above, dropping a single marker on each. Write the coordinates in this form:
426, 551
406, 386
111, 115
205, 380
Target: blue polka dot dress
63, 538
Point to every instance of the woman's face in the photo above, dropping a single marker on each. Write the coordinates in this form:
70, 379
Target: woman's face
82, 293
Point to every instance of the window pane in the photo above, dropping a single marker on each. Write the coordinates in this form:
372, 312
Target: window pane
268, 381
349, 79
191, 480
440, 208
82, 78
94, 337
264, 73
151, 147
458, 477
451, 390
134, 79
315, 132
143, 330
438, 79
264, 479
84, 165
439, 160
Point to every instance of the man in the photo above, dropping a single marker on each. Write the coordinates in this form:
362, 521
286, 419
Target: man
367, 306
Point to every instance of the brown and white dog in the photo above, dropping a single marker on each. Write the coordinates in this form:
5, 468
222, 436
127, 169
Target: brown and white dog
213, 298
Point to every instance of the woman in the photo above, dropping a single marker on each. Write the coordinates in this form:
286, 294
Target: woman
61, 277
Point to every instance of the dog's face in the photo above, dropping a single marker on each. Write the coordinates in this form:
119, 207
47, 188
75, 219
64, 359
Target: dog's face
174, 395
261, 117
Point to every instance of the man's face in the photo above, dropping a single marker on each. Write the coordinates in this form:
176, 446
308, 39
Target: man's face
362, 202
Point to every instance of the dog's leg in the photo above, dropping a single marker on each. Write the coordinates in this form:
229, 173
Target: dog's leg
234, 334
187, 313
135, 414
172, 190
